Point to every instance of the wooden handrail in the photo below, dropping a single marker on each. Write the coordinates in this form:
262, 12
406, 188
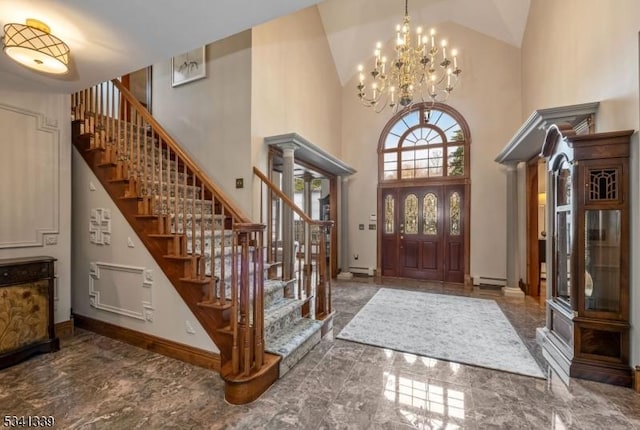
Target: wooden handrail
202, 176
289, 202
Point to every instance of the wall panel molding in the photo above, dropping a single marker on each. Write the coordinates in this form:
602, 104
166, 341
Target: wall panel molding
121, 289
29, 178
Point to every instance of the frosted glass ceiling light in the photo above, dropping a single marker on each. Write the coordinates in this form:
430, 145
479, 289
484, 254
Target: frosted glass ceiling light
34, 46
418, 71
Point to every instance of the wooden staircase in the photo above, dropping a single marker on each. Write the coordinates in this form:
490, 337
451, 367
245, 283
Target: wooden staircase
210, 251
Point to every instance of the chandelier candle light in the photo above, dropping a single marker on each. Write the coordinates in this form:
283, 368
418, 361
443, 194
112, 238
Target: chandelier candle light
420, 70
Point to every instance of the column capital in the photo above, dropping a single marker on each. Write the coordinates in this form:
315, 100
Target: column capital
288, 149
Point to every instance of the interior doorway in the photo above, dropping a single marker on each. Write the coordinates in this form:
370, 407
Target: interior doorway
536, 226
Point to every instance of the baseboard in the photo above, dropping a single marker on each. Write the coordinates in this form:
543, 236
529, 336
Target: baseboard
179, 351
486, 280
64, 329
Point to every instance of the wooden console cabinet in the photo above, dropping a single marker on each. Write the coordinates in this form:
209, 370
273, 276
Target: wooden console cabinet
26, 308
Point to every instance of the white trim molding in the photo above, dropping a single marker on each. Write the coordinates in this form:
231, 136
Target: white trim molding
32, 204
121, 289
100, 226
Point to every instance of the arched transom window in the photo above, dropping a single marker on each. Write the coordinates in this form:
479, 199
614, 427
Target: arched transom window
425, 142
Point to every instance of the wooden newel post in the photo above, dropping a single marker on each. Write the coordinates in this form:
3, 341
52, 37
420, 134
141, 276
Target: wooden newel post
250, 286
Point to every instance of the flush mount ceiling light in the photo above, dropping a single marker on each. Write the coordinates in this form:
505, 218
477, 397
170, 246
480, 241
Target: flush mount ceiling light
34, 46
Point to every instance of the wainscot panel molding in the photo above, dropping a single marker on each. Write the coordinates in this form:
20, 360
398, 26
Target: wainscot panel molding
179, 351
30, 142
120, 289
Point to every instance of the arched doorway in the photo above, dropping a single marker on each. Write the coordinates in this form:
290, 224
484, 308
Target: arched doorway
423, 195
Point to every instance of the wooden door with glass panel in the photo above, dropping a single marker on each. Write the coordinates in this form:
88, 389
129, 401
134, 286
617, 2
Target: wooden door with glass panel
423, 233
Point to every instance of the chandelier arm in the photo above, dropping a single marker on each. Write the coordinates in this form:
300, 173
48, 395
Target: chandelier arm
417, 73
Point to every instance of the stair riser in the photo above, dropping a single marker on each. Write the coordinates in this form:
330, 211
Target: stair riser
287, 363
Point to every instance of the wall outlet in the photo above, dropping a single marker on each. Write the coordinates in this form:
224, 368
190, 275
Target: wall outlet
189, 327
240, 183
360, 226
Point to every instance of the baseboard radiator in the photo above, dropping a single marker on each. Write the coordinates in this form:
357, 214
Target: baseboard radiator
486, 280
368, 271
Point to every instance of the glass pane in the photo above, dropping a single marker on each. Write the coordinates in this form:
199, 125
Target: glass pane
563, 184
391, 141
407, 173
455, 161
435, 162
563, 255
390, 156
422, 173
454, 134
603, 184
602, 260
454, 214
391, 175
389, 214
430, 214
411, 214
411, 119
399, 128
390, 168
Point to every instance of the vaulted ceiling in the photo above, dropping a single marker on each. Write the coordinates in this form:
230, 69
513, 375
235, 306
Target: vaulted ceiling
110, 38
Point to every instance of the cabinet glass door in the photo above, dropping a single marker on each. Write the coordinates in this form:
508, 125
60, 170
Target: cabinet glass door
602, 260
562, 236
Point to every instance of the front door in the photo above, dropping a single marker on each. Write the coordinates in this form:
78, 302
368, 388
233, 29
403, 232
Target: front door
423, 232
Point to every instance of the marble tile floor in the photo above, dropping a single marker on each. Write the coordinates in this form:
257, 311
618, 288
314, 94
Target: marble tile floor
98, 383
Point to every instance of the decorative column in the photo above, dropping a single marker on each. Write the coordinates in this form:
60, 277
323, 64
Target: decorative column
343, 231
512, 288
287, 213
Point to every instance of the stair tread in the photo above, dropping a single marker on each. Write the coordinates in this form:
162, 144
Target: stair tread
272, 284
215, 305
279, 309
204, 281
288, 340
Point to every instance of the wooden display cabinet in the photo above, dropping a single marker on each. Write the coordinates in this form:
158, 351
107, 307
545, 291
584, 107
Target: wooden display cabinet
587, 329
26, 309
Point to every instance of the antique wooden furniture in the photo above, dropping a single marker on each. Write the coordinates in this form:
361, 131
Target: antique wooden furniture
587, 330
26, 308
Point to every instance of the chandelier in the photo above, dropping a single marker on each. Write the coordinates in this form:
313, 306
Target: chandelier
421, 71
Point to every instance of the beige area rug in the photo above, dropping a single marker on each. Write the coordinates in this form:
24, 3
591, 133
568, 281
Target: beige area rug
460, 329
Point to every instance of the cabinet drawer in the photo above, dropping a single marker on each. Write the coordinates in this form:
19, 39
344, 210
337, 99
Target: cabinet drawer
25, 272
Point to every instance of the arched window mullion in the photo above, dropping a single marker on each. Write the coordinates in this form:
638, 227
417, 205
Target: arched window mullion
436, 147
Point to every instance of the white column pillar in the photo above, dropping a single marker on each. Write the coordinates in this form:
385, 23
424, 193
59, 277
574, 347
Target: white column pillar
512, 288
343, 231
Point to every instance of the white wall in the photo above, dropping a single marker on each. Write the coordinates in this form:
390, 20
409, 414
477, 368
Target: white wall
122, 293
211, 118
577, 51
35, 184
488, 96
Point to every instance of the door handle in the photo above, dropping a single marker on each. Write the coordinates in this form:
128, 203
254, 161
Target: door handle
401, 237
